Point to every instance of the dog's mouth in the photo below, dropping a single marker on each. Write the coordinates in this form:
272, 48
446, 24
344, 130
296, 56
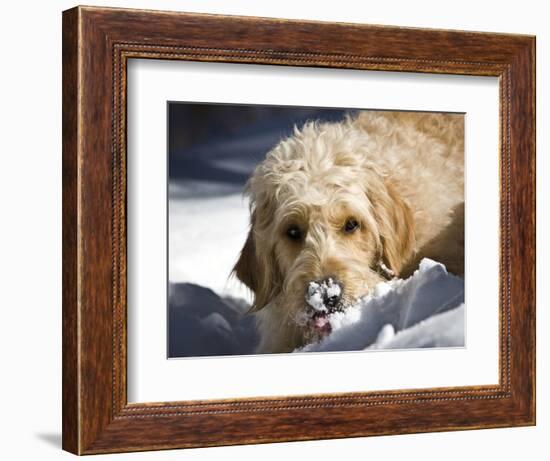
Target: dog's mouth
320, 323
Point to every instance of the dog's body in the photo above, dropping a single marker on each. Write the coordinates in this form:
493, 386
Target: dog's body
339, 207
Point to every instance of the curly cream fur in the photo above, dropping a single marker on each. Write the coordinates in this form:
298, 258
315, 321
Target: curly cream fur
399, 174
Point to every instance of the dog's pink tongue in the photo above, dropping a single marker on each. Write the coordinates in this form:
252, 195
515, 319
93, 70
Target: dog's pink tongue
322, 325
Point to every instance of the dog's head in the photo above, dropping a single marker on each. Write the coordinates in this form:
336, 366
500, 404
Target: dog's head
326, 224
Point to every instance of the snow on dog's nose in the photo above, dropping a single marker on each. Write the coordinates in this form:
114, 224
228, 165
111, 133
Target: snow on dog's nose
324, 296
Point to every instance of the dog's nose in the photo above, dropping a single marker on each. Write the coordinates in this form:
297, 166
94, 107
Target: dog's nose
325, 296
332, 293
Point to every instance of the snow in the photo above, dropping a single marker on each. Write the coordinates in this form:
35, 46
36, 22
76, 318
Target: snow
315, 297
207, 226
202, 323
320, 294
333, 289
387, 333
206, 235
386, 269
440, 330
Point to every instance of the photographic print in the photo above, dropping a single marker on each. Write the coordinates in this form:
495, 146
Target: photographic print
305, 229
280, 203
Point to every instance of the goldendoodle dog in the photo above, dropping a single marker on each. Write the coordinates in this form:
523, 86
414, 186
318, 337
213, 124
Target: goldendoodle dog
338, 207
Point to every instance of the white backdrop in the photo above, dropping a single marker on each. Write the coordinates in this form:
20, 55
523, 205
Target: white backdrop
153, 378
30, 243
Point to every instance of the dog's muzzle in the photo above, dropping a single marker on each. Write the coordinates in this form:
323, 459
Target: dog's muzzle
325, 296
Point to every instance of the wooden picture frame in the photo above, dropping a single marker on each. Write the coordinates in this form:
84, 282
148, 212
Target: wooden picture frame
97, 43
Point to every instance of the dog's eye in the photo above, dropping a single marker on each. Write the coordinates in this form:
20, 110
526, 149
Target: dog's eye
294, 232
351, 226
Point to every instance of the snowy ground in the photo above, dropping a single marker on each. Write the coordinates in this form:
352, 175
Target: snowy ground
205, 238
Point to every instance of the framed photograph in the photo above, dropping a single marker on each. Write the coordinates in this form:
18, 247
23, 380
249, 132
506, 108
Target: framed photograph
280, 230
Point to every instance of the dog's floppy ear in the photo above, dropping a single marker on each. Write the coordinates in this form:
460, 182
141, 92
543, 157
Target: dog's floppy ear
396, 227
246, 268
256, 268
